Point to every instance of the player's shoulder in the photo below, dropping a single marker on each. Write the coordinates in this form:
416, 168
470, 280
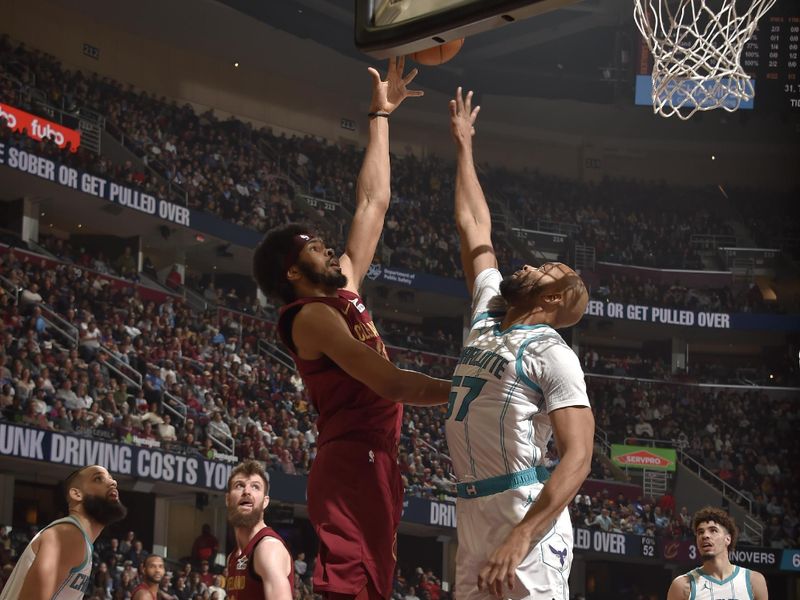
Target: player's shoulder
270, 552
141, 594
64, 531
536, 339
313, 311
681, 587
61, 537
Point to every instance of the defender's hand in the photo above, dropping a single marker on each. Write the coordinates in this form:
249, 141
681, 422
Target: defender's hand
462, 118
388, 95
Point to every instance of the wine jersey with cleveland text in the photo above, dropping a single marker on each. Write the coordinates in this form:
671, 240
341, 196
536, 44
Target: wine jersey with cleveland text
347, 408
503, 388
735, 587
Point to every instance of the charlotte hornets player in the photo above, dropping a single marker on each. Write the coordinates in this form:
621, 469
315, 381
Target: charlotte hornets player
517, 382
717, 579
57, 564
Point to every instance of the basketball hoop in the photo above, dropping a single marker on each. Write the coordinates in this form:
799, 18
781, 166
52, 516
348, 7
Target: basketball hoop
697, 46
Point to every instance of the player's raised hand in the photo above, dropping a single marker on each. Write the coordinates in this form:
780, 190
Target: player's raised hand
463, 117
503, 562
389, 94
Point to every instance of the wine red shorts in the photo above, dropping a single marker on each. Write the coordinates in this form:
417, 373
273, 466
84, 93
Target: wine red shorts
355, 499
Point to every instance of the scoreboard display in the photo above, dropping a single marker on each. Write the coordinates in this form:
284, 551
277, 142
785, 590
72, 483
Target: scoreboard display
771, 58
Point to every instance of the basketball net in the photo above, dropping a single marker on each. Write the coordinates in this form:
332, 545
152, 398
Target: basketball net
697, 47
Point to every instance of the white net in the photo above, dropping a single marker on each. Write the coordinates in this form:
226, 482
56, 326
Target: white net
697, 46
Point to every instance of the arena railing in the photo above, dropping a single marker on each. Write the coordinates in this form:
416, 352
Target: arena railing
64, 327
772, 389
177, 407
221, 439
273, 351
752, 524
174, 190
123, 369
67, 330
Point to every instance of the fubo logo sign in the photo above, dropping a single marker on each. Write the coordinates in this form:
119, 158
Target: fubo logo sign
38, 128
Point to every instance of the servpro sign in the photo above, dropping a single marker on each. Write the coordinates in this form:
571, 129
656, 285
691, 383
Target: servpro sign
643, 457
40, 129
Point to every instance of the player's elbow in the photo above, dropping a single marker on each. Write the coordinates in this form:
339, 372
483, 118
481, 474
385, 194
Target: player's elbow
581, 460
402, 387
465, 221
374, 197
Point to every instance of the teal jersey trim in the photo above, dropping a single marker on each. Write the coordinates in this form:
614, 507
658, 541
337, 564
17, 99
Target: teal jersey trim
87, 555
692, 587
530, 440
487, 314
501, 483
518, 365
502, 421
469, 446
720, 581
498, 331
748, 584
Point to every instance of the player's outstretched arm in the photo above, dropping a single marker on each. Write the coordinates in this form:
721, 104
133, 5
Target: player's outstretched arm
679, 589
373, 187
320, 329
473, 220
759, 584
55, 557
573, 428
271, 562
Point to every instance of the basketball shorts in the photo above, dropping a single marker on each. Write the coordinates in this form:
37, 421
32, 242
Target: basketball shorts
355, 499
483, 525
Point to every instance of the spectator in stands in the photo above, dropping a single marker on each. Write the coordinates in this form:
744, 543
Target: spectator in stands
411, 594
126, 264
643, 428
90, 338
205, 546
206, 576
300, 565
603, 520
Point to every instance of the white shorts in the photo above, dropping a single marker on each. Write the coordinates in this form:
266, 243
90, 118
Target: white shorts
485, 522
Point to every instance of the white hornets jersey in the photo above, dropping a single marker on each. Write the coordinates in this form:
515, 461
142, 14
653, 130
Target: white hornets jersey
735, 587
76, 584
505, 384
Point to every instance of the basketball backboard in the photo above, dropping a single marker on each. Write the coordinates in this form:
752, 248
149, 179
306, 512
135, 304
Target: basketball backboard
385, 28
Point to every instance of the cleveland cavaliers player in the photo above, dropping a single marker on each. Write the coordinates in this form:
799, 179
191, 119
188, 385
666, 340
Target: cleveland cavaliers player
261, 566
355, 493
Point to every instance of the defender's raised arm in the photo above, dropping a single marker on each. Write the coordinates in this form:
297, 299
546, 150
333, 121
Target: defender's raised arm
373, 187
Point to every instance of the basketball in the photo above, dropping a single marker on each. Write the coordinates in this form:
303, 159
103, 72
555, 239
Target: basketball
438, 54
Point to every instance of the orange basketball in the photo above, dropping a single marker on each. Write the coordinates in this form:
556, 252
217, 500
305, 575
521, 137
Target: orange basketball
438, 54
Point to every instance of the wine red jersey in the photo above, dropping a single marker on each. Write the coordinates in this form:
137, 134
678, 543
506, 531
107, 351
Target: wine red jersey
142, 587
347, 408
243, 583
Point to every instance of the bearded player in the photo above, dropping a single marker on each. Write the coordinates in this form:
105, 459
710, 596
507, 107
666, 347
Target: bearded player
516, 383
57, 563
715, 536
355, 493
152, 574
261, 566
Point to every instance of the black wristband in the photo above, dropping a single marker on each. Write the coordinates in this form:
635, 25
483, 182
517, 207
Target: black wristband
383, 114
